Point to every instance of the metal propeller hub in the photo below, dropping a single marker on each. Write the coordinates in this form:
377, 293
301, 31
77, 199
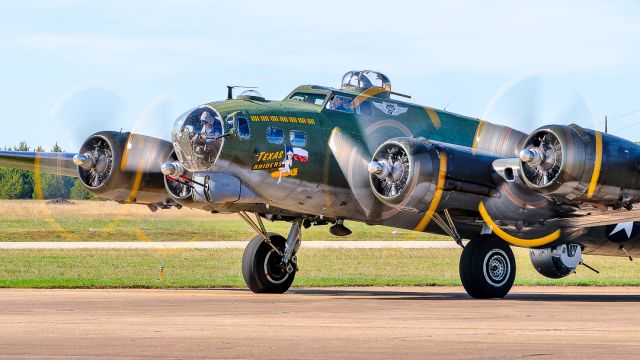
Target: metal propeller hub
542, 158
174, 168
95, 162
389, 170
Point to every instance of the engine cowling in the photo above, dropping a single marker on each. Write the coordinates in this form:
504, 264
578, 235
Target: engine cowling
406, 172
572, 165
124, 167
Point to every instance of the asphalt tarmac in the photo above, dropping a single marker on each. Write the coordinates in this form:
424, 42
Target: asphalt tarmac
341, 323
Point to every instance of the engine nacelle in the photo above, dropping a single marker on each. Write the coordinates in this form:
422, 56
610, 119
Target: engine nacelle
556, 262
406, 172
124, 167
572, 165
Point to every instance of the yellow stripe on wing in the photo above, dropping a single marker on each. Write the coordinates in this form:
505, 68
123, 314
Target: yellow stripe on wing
512, 239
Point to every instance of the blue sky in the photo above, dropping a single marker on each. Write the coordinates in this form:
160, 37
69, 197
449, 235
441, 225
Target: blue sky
113, 64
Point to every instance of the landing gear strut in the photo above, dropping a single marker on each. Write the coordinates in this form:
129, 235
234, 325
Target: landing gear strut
487, 267
269, 263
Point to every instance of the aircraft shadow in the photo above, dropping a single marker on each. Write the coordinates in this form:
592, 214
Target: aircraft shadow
364, 294
426, 295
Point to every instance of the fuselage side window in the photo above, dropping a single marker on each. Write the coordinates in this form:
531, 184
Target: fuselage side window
244, 132
340, 103
297, 138
275, 135
315, 99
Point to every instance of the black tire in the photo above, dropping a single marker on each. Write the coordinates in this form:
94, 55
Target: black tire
260, 268
487, 267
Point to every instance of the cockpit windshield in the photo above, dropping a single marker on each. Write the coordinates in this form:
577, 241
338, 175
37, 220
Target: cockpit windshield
309, 98
197, 138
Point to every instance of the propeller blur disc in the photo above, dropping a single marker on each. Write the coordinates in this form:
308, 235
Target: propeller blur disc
83, 110
533, 100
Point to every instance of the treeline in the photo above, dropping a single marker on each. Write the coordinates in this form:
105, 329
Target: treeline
20, 184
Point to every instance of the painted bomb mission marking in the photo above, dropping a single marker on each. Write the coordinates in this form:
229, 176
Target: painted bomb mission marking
282, 119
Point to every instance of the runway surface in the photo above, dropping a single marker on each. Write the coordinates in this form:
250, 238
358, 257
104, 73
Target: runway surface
313, 244
342, 323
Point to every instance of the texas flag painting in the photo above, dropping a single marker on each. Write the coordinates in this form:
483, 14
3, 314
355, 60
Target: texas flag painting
299, 154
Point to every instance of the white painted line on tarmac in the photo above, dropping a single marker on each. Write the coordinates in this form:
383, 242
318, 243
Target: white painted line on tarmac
222, 245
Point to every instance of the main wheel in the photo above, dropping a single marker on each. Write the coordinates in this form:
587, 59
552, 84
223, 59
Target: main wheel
487, 267
261, 266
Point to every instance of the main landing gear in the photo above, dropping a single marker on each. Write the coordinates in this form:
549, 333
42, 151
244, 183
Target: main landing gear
487, 267
269, 263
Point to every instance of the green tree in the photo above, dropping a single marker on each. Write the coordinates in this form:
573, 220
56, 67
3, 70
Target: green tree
15, 184
22, 147
56, 187
80, 192
56, 148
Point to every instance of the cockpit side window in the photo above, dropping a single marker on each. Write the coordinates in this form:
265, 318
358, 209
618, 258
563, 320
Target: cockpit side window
244, 132
315, 99
275, 135
340, 103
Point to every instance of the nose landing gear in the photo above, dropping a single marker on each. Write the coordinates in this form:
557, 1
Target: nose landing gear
269, 263
262, 267
487, 267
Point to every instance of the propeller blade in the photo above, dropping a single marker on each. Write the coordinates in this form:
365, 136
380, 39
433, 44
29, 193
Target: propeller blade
149, 132
532, 100
157, 119
516, 103
353, 161
83, 110
528, 102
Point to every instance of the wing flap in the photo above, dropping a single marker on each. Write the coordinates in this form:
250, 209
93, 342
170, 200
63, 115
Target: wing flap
602, 219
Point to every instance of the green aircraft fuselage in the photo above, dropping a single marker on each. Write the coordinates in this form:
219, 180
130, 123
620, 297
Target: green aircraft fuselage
317, 121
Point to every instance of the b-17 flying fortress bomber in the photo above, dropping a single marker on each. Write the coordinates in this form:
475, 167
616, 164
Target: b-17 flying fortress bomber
323, 156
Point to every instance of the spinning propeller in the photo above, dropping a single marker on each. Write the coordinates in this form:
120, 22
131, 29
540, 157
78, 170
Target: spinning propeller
526, 103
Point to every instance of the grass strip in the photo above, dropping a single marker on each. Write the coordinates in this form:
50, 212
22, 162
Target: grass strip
204, 268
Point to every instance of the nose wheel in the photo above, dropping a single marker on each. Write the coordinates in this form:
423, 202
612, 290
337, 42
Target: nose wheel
262, 267
487, 267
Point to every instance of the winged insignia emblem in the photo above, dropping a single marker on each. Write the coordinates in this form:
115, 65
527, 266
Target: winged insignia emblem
390, 108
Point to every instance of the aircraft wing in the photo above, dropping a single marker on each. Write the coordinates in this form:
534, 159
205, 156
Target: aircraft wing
602, 219
47, 162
